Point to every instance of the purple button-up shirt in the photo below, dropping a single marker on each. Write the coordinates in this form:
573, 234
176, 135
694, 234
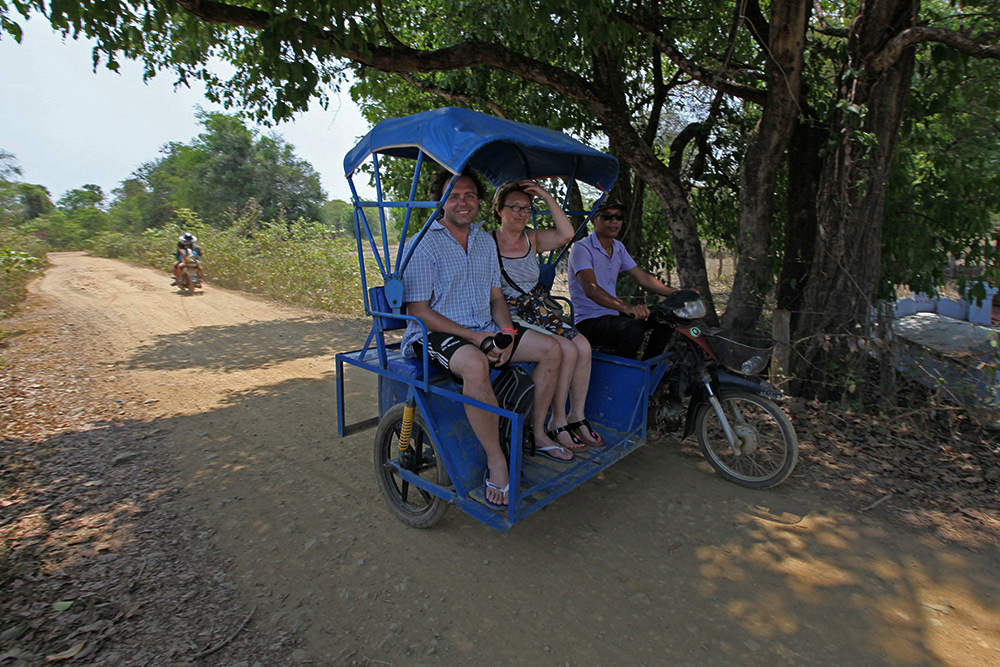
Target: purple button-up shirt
588, 253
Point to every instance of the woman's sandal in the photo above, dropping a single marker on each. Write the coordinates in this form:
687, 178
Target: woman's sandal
578, 444
582, 430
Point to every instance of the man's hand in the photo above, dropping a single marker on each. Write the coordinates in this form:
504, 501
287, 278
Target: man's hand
494, 356
504, 355
638, 312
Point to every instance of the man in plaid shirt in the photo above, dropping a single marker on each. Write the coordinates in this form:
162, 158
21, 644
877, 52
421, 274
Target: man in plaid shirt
452, 283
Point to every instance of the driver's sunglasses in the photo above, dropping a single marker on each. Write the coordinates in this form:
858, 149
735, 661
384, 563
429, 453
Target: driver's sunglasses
611, 216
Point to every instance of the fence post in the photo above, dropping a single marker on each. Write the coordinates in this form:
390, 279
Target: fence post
781, 331
886, 350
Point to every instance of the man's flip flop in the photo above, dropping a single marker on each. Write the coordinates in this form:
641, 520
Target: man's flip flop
595, 439
544, 453
487, 484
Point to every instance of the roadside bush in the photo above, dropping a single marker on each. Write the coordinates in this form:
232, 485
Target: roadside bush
21, 259
117, 245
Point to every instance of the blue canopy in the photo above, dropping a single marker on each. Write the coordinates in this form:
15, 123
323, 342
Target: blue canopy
501, 150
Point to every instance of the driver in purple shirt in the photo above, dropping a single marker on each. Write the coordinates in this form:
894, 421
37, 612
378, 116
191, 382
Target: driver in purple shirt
594, 265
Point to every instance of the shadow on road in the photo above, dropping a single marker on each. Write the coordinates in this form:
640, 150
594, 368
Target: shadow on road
252, 345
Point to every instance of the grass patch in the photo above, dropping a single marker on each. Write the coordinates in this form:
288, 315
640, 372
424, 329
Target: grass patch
21, 259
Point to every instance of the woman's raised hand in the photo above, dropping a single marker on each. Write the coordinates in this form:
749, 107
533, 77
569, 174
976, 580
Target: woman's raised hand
534, 189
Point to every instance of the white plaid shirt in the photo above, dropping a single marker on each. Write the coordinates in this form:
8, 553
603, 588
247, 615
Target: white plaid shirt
455, 284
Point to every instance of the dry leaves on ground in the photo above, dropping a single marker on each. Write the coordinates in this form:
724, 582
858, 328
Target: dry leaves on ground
97, 564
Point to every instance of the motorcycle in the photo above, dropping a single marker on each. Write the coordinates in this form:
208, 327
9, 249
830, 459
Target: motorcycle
190, 278
743, 434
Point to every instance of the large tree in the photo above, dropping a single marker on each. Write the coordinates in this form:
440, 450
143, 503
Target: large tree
20, 202
217, 173
828, 83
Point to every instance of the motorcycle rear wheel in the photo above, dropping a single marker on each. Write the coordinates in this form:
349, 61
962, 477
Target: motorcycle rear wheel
412, 505
768, 443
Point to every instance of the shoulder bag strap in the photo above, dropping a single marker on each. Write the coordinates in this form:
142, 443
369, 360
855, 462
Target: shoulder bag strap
503, 271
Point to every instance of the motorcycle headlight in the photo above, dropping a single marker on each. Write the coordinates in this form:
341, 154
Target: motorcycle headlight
692, 310
753, 365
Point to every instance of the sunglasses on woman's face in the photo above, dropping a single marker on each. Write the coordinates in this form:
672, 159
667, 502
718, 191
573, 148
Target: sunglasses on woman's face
611, 216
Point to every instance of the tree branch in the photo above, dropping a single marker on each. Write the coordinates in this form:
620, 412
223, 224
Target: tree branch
468, 100
712, 79
218, 12
760, 30
680, 142
402, 58
913, 36
380, 14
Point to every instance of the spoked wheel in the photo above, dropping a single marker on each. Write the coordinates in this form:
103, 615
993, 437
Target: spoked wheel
413, 505
768, 446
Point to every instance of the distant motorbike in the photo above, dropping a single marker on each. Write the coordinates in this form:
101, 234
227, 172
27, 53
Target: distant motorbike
741, 431
190, 274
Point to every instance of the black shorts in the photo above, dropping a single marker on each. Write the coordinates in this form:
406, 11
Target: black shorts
442, 346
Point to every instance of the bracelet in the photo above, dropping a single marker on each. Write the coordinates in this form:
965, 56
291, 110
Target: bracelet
513, 331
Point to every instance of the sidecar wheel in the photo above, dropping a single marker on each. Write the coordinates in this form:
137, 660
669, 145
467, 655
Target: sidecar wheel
411, 505
770, 448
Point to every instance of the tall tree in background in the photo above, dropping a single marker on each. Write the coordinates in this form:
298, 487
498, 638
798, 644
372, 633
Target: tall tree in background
76, 217
20, 202
11, 211
217, 173
826, 82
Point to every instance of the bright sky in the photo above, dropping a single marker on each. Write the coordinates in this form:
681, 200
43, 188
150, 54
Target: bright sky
69, 126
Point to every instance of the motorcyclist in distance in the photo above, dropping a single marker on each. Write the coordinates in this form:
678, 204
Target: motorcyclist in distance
186, 241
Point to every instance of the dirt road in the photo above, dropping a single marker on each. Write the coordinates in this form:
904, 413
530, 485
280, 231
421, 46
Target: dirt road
658, 562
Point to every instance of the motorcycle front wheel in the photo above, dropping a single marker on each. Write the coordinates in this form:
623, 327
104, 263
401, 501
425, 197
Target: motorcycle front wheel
412, 505
767, 444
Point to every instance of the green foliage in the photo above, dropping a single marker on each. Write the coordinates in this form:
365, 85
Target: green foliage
20, 260
10, 170
35, 201
19, 201
945, 188
87, 197
338, 216
77, 218
216, 174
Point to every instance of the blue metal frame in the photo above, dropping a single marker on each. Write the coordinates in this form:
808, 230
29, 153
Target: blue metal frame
617, 408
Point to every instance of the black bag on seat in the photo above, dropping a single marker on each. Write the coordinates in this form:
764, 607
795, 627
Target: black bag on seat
515, 391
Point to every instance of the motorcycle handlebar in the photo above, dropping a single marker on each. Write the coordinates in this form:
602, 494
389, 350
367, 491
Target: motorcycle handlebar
678, 299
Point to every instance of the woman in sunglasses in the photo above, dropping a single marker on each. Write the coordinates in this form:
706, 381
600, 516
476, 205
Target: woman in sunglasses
518, 243
594, 266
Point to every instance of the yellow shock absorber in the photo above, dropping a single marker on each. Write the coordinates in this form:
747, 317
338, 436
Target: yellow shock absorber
407, 428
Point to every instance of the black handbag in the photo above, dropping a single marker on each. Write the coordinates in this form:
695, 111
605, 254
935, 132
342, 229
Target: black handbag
515, 391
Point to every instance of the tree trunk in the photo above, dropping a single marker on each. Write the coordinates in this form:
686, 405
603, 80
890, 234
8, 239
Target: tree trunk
847, 257
762, 160
804, 167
